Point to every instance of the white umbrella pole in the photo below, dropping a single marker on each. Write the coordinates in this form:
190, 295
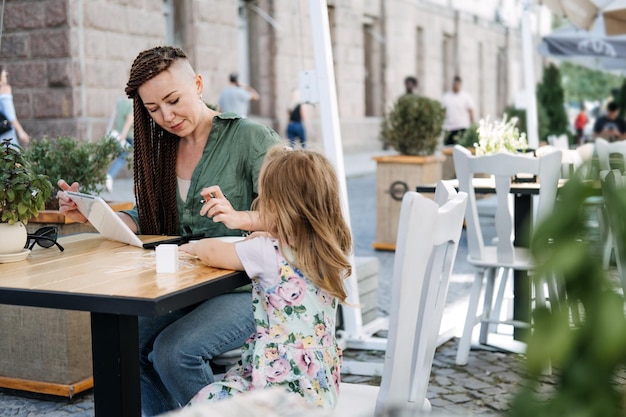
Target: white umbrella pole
529, 77
331, 135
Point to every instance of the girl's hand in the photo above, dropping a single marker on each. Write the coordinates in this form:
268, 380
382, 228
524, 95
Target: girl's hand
189, 248
66, 206
218, 208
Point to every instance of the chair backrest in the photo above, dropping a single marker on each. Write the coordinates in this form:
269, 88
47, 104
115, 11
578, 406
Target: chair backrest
613, 192
604, 149
503, 167
426, 246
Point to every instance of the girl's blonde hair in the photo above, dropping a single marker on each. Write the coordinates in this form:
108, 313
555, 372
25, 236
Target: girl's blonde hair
299, 201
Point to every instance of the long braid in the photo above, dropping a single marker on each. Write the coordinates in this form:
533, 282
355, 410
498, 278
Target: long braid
154, 149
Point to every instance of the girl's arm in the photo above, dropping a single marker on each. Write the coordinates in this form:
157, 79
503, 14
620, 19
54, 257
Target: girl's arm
215, 252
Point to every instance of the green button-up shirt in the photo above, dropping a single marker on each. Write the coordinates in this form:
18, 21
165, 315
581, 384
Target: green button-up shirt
231, 159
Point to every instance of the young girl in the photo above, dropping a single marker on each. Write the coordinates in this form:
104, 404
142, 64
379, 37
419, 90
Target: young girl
297, 269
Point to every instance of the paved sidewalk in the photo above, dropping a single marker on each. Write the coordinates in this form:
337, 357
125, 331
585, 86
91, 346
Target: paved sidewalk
481, 387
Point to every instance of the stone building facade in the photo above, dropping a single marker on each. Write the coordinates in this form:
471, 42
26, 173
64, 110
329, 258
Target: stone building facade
68, 60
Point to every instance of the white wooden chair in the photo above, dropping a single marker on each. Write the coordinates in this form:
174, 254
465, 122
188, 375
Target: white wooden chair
614, 184
488, 259
427, 241
604, 149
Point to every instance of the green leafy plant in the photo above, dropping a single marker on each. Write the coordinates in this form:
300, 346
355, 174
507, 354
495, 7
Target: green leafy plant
413, 125
469, 137
551, 95
589, 357
73, 160
22, 191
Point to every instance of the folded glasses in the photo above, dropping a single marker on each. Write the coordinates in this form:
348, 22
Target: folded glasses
45, 237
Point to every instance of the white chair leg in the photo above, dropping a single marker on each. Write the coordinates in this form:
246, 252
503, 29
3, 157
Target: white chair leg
487, 313
608, 248
497, 305
462, 353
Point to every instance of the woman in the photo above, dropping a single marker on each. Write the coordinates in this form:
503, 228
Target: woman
182, 146
16, 132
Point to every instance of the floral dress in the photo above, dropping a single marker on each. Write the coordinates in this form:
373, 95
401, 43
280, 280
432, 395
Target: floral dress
294, 345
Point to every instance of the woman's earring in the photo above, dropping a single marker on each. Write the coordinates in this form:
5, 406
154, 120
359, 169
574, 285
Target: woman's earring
200, 98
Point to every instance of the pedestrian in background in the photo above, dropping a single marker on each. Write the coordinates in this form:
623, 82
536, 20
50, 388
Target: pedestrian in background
580, 123
122, 130
610, 126
237, 96
16, 133
297, 120
410, 85
459, 112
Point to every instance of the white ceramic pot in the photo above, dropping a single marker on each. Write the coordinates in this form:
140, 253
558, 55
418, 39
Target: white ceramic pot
12, 237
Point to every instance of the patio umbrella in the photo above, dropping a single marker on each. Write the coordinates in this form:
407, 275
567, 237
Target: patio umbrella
584, 13
589, 48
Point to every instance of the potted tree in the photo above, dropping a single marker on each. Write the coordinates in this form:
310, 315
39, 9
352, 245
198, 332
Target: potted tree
413, 127
22, 195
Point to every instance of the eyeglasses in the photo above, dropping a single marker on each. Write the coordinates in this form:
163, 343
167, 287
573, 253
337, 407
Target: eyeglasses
44, 237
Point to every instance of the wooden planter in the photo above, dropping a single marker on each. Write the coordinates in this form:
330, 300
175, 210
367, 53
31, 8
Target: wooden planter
67, 226
395, 175
48, 351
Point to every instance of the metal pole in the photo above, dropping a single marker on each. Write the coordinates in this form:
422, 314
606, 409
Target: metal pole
529, 77
331, 135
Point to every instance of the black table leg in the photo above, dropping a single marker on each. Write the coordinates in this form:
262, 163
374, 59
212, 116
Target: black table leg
522, 289
115, 347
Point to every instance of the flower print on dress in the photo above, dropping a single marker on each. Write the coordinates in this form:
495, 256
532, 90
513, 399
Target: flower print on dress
292, 291
277, 370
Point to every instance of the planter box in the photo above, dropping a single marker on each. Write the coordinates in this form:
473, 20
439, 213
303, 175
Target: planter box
395, 175
48, 351
67, 226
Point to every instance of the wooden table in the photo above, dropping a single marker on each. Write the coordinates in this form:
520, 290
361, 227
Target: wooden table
523, 192
116, 283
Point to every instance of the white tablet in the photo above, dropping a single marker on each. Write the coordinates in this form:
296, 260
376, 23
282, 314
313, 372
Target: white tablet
104, 219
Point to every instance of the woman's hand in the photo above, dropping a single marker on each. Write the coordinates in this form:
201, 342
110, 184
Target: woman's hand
66, 206
218, 208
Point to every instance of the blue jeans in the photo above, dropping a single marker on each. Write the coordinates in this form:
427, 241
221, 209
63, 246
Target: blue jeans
120, 162
296, 130
175, 349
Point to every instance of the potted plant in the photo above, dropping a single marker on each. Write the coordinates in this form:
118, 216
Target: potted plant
73, 160
23, 193
413, 127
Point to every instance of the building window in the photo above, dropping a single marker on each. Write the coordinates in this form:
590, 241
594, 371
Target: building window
420, 59
502, 82
174, 14
372, 59
447, 61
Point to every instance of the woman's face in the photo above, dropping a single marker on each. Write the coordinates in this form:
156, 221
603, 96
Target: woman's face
172, 98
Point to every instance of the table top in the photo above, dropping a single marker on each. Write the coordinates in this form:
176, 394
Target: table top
100, 275
488, 186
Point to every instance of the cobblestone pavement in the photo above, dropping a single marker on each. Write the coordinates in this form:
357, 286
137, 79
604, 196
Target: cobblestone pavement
482, 387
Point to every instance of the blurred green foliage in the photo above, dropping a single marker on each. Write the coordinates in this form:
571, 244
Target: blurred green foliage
586, 357
580, 83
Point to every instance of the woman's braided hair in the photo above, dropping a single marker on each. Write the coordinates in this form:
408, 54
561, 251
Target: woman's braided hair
154, 149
